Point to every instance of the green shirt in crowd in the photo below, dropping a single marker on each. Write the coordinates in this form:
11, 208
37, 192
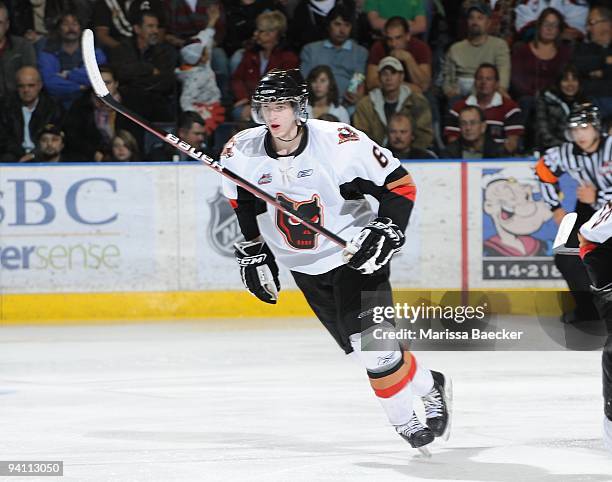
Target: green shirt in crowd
409, 9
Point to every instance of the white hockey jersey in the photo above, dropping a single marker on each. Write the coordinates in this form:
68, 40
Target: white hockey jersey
334, 154
598, 229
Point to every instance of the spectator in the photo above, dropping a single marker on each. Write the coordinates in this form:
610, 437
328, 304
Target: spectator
379, 11
374, 110
537, 64
464, 57
113, 19
90, 124
502, 19
15, 52
124, 148
33, 19
412, 52
345, 56
323, 95
310, 21
24, 114
574, 13
145, 66
553, 105
61, 62
503, 115
188, 17
269, 53
191, 129
401, 137
50, 145
200, 89
473, 142
594, 59
241, 15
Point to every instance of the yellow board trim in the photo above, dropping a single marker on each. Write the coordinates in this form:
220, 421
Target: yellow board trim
83, 308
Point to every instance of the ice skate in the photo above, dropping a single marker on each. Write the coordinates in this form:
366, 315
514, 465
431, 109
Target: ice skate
416, 434
438, 405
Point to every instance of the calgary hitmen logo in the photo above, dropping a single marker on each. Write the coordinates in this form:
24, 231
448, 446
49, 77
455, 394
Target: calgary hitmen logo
223, 228
296, 234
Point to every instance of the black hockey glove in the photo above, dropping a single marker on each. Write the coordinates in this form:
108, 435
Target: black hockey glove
258, 270
373, 247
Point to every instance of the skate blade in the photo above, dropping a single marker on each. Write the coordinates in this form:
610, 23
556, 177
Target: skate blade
448, 399
424, 451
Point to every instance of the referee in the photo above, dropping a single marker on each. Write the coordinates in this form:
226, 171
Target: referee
588, 159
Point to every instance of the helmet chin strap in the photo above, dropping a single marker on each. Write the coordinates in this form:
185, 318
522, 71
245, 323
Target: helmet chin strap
299, 130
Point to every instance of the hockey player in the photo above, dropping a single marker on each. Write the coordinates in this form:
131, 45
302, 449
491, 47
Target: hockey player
596, 253
587, 159
322, 169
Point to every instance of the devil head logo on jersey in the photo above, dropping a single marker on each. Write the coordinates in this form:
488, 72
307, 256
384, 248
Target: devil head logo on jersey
296, 234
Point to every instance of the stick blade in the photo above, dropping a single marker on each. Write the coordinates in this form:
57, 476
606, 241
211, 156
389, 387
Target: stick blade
91, 64
565, 229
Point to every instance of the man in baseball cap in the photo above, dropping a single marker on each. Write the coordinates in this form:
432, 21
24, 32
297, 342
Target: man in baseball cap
391, 63
50, 144
479, 7
465, 56
393, 95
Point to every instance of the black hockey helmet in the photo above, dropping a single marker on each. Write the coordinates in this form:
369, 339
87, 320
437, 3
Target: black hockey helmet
582, 114
281, 86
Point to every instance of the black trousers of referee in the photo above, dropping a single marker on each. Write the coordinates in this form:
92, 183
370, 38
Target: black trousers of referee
343, 299
574, 272
599, 266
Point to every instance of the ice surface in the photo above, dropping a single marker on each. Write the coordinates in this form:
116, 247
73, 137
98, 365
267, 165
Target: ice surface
277, 400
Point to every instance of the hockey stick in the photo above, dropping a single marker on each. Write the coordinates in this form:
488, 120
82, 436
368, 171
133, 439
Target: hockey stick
93, 71
565, 229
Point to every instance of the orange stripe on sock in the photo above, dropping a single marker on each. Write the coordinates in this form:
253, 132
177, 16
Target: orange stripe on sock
392, 379
544, 173
410, 363
233, 203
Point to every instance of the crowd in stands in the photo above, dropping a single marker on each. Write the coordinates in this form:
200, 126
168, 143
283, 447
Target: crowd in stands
426, 78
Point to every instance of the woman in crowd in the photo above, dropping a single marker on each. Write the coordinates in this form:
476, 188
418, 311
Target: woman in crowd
537, 64
124, 148
553, 105
269, 53
323, 95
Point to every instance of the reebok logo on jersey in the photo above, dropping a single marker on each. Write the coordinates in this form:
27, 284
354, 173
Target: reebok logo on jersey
345, 134
265, 178
305, 173
384, 360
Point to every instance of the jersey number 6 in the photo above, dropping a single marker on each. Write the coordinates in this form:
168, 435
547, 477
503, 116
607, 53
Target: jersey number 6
380, 157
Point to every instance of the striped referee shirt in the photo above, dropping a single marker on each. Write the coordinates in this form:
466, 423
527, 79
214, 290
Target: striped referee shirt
595, 169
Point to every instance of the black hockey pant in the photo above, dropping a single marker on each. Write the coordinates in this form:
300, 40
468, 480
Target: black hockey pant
599, 266
343, 299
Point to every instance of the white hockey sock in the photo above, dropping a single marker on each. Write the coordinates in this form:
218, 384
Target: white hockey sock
422, 383
391, 373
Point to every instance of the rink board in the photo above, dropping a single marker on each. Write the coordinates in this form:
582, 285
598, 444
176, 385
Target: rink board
147, 241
